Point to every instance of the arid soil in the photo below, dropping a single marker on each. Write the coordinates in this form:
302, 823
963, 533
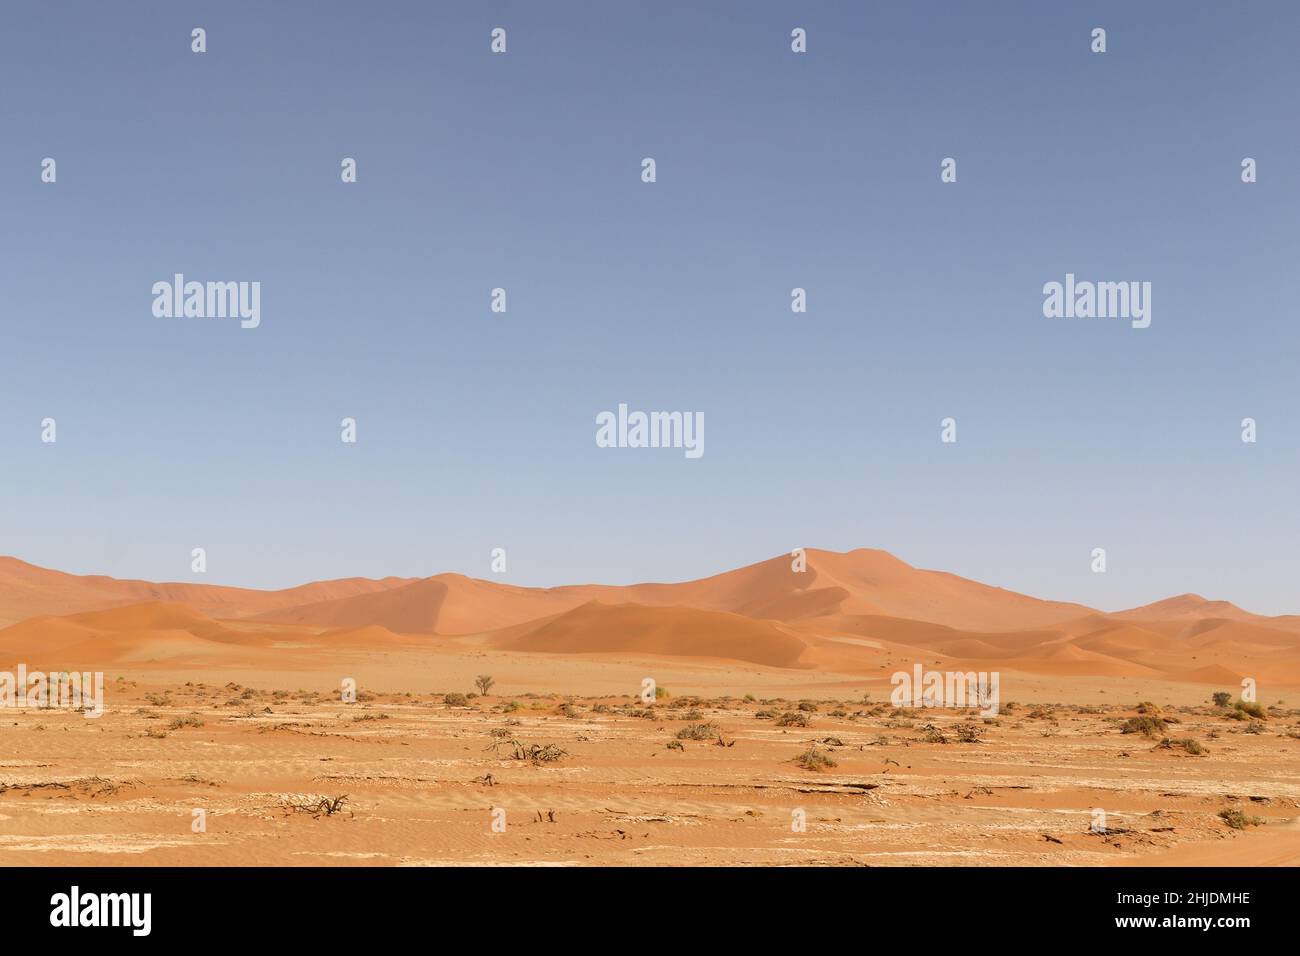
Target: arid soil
623, 783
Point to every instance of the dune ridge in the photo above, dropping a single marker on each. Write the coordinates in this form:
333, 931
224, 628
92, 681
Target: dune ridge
860, 611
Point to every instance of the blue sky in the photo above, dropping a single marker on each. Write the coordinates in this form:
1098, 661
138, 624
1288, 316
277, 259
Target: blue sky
775, 170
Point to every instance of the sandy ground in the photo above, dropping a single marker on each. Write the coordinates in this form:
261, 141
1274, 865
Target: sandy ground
422, 778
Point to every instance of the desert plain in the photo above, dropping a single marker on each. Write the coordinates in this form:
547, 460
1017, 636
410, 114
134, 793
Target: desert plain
342, 723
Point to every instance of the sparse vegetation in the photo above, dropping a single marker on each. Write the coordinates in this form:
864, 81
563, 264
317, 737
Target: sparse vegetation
1145, 725
792, 718
815, 759
1238, 819
1251, 708
704, 731
317, 806
538, 753
1189, 744
484, 683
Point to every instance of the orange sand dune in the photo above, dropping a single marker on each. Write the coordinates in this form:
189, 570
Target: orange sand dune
27, 590
1215, 631
860, 582
446, 604
123, 633
459, 605
881, 583
857, 612
1124, 640
857, 582
412, 608
164, 632
668, 631
1186, 606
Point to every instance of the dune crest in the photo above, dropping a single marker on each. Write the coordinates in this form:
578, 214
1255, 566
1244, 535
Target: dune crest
857, 612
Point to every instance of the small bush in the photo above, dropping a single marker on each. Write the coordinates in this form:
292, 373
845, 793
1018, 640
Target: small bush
455, 700
792, 718
1189, 744
1222, 698
1146, 726
322, 806
705, 731
538, 753
1251, 709
814, 759
1239, 820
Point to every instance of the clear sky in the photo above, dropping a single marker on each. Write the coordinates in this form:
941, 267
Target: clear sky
775, 170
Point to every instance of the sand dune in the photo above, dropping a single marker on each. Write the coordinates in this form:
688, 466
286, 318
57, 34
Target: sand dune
1124, 640
445, 604
27, 590
1185, 606
165, 632
666, 631
881, 583
855, 612
861, 582
412, 608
